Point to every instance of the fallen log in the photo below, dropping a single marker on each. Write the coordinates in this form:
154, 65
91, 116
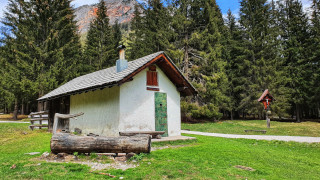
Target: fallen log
69, 143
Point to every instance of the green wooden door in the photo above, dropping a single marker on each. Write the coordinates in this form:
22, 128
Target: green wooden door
161, 112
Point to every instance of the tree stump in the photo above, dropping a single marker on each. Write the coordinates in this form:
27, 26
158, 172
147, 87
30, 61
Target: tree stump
69, 143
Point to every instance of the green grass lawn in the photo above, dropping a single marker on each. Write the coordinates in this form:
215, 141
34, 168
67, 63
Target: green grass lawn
238, 127
207, 158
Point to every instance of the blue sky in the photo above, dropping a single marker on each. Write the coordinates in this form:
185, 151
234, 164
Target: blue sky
224, 4
233, 5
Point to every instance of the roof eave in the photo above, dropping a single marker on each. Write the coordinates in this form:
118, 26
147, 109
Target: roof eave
93, 88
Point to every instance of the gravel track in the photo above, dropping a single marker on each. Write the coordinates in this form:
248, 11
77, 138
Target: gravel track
301, 139
14, 122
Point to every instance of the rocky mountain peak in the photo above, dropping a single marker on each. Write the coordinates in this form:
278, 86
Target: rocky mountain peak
121, 10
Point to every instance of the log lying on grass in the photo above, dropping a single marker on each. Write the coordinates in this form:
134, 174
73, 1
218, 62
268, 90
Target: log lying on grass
67, 143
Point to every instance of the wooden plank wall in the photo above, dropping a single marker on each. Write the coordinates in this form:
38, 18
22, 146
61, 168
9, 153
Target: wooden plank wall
59, 105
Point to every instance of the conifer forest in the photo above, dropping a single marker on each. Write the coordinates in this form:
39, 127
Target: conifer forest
230, 59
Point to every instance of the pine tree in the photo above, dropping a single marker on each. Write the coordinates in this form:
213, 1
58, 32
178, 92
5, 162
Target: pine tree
213, 70
57, 44
234, 52
185, 51
100, 49
17, 67
184, 26
315, 58
137, 45
258, 61
296, 40
278, 77
117, 36
6, 94
42, 49
158, 30
56, 47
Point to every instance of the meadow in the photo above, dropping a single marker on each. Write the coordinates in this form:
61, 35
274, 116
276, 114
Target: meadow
239, 126
205, 158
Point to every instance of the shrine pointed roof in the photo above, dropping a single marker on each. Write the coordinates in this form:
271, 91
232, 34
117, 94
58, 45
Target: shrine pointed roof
264, 94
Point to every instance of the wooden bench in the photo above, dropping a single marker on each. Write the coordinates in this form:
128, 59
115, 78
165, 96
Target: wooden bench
39, 116
154, 134
262, 131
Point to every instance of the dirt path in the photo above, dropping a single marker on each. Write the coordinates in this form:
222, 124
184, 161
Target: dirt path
14, 122
301, 139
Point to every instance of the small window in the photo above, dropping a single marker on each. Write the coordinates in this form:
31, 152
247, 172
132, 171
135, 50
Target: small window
152, 68
152, 78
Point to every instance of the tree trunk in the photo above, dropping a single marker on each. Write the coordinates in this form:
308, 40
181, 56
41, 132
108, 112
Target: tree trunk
318, 110
40, 104
66, 143
298, 118
22, 108
15, 111
186, 58
231, 114
236, 115
305, 113
27, 108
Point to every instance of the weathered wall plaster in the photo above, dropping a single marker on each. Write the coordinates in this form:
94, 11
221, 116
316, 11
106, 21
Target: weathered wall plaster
101, 111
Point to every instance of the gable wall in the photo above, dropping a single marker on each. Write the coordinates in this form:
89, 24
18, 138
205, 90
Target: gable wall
101, 111
137, 106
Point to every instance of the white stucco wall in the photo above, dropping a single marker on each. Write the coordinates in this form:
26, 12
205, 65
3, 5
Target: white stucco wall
137, 105
101, 111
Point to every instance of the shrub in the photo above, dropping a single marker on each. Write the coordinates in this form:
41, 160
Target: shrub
138, 157
194, 111
93, 155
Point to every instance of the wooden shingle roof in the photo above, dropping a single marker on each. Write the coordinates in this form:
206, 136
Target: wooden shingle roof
110, 77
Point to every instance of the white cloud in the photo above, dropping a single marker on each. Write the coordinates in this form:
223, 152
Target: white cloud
306, 3
3, 4
234, 12
78, 3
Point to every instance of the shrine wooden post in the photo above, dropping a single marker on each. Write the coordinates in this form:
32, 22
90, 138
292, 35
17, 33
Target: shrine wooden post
266, 98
